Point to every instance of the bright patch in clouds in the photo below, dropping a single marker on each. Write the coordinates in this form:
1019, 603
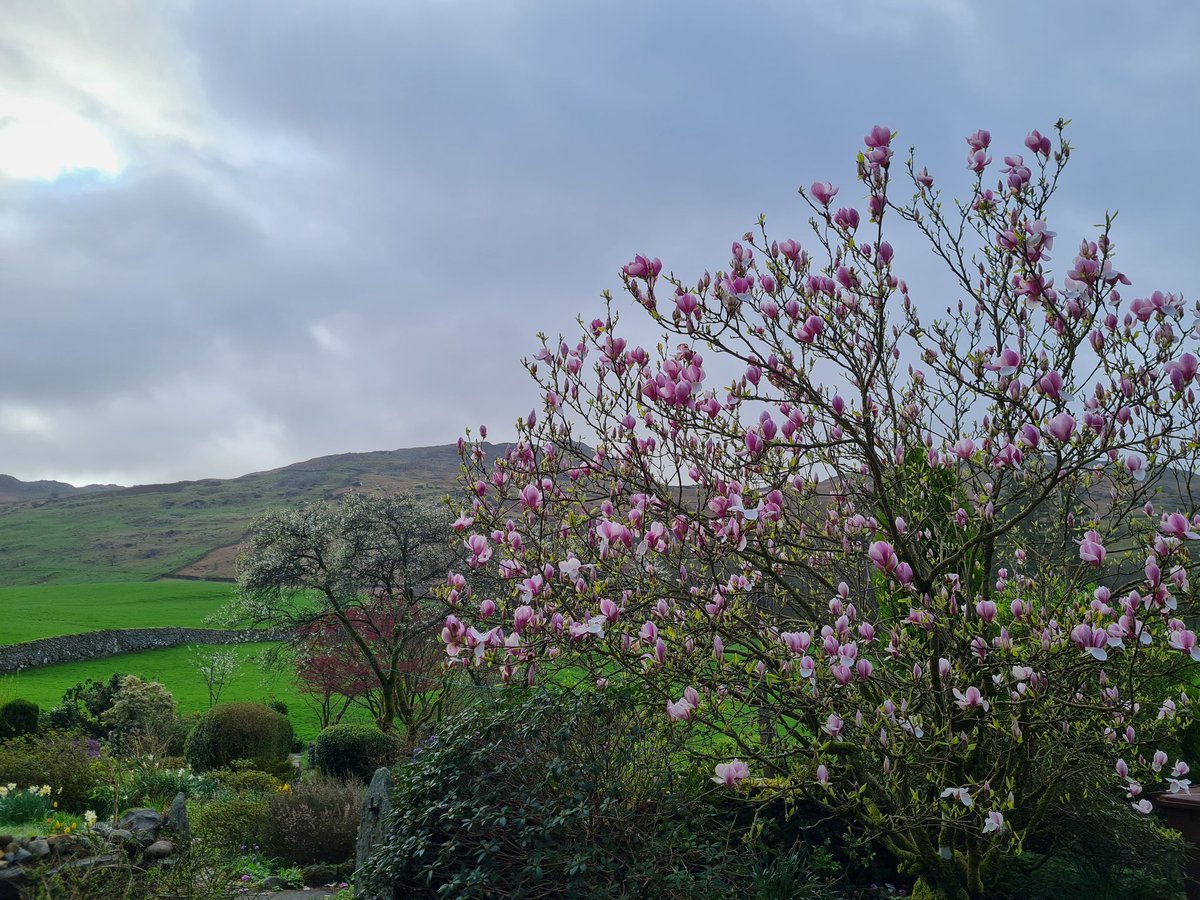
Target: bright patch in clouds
44, 141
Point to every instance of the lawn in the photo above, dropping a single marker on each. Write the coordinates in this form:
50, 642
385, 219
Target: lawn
175, 668
47, 610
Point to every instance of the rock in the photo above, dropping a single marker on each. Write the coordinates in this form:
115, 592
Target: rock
39, 848
120, 836
143, 822
273, 883
177, 818
159, 850
377, 803
22, 855
88, 862
10, 880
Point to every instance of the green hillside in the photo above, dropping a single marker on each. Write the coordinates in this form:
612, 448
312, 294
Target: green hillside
141, 533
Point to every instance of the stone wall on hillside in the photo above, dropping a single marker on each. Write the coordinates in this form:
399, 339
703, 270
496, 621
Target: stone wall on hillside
94, 645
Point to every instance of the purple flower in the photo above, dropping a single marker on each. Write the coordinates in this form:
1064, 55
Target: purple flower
823, 192
980, 140
731, 773
1038, 143
883, 556
1091, 551
1061, 427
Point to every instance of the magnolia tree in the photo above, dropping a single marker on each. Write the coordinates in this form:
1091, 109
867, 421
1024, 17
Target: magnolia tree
930, 571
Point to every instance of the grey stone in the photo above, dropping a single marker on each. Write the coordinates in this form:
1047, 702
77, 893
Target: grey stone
22, 855
273, 883
160, 850
10, 880
143, 822
120, 835
88, 862
177, 818
39, 848
377, 803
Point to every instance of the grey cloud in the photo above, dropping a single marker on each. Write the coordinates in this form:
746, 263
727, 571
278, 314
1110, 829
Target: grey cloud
342, 224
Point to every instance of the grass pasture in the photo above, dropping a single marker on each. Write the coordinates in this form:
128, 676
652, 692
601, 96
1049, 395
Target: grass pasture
175, 668
49, 610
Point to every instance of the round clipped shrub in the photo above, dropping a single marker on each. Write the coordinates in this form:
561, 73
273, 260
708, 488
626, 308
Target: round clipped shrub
18, 717
237, 731
354, 751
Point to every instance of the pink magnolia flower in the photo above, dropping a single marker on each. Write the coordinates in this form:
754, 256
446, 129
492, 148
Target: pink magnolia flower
1135, 465
1091, 551
1144, 806
822, 775
732, 773
980, 140
1182, 371
679, 710
1006, 362
1177, 525
1091, 640
994, 821
1038, 143
833, 725
1061, 427
961, 794
883, 556
971, 698
823, 192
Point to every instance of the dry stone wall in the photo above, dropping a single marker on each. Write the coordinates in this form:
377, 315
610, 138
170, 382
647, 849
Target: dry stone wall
97, 644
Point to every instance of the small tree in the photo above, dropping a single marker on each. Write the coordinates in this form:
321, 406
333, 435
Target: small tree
353, 579
215, 668
141, 716
930, 570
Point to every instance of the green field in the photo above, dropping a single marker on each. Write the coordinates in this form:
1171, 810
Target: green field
175, 668
48, 610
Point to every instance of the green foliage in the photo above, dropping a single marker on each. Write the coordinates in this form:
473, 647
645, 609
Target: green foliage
18, 717
235, 731
196, 874
247, 781
232, 824
172, 667
142, 713
84, 704
156, 785
566, 795
57, 758
23, 805
1093, 851
315, 822
354, 751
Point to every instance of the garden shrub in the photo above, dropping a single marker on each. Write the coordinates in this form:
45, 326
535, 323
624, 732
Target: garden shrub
142, 715
354, 750
315, 821
84, 705
235, 731
18, 717
230, 823
562, 794
194, 874
57, 758
249, 781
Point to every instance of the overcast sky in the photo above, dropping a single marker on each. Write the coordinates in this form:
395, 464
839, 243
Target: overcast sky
235, 235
